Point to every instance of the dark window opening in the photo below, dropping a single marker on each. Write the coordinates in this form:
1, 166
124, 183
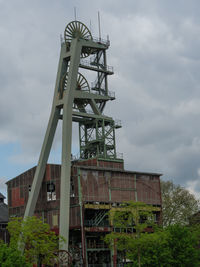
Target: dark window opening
51, 191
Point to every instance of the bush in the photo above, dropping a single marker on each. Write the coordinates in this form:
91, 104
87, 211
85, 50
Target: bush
11, 257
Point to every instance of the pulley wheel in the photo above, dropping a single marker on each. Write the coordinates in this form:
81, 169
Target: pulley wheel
77, 29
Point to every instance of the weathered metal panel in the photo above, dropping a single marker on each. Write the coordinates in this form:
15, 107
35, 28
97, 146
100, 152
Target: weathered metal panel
89, 162
148, 189
16, 200
75, 217
94, 186
122, 186
111, 164
97, 187
102, 188
48, 173
101, 163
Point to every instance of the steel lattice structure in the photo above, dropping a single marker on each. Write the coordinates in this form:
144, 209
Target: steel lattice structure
75, 100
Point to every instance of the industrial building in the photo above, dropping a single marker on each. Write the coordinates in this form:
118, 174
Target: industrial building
75, 197
96, 187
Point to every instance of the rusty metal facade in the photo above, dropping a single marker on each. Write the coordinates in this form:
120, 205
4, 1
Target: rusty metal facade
101, 185
96, 187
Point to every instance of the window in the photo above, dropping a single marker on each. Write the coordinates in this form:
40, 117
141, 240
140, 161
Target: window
51, 191
51, 196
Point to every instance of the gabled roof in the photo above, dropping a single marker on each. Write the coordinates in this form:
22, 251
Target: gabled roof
2, 196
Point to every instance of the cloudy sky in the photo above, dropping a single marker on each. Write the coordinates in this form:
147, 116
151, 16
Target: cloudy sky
155, 51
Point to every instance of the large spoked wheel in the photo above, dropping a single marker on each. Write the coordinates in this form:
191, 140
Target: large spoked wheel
76, 254
63, 258
82, 83
77, 29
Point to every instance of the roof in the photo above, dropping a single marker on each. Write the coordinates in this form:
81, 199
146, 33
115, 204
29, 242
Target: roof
96, 168
2, 196
23, 173
116, 170
3, 213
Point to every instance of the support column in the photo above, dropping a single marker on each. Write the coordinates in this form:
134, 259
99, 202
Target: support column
40, 170
115, 254
68, 99
47, 143
135, 183
83, 240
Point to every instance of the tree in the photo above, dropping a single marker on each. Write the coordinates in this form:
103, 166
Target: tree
178, 204
183, 243
136, 216
35, 237
175, 246
10, 256
154, 250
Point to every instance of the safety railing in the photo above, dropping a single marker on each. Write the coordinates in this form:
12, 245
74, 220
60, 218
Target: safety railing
91, 223
101, 91
94, 39
88, 63
101, 41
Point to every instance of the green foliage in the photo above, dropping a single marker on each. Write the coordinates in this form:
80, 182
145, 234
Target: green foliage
35, 237
178, 204
175, 245
152, 248
10, 256
122, 240
132, 214
135, 215
183, 243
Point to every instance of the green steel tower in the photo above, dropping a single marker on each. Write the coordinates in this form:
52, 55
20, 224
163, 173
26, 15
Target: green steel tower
76, 101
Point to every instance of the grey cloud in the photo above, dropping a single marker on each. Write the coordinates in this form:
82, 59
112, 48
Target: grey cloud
155, 53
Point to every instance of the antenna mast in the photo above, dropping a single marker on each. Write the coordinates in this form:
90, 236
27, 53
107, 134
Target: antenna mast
75, 13
99, 25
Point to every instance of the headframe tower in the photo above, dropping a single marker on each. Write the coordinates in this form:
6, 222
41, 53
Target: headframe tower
76, 101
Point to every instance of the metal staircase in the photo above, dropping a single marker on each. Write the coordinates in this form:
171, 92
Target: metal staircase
98, 218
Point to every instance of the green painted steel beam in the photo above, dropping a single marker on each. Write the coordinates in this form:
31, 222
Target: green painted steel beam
91, 95
46, 147
95, 45
67, 140
89, 115
88, 67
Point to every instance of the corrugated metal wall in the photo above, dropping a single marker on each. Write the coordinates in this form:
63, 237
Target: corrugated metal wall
148, 189
117, 186
94, 185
